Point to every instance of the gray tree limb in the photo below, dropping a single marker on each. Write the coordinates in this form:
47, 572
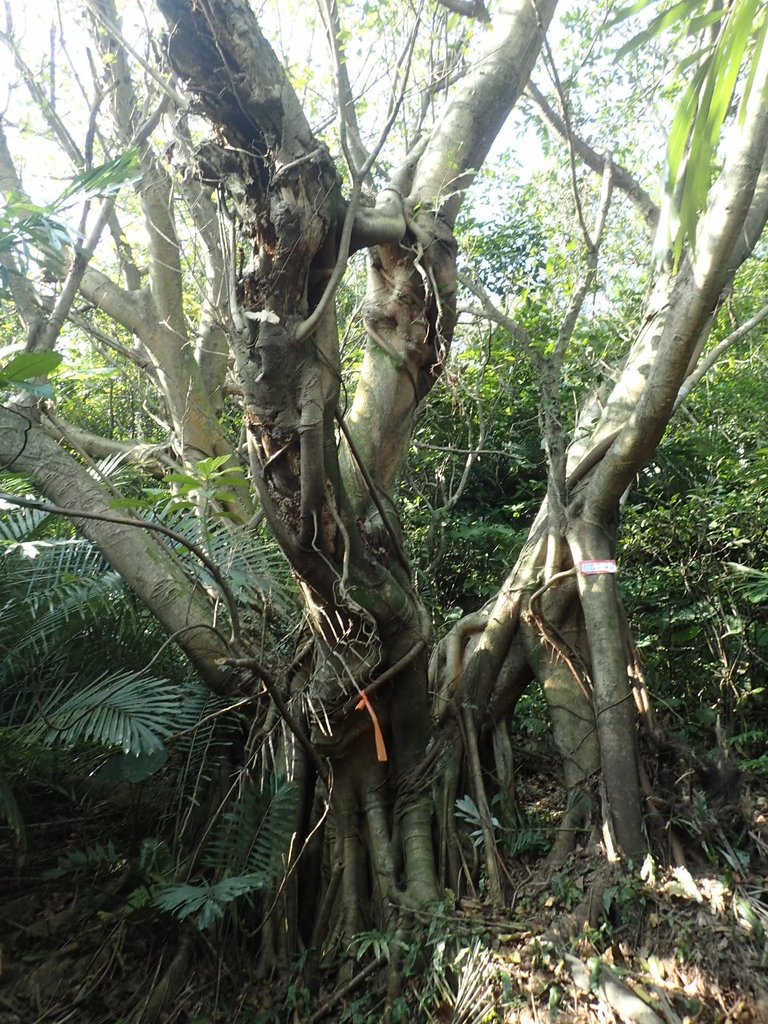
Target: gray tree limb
622, 179
145, 564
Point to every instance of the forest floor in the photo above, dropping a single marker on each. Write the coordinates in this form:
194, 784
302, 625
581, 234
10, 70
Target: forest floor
580, 945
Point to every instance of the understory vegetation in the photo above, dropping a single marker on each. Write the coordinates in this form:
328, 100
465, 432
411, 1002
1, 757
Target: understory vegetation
384, 513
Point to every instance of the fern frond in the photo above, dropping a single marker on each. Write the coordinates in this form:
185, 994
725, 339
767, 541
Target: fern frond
91, 858
751, 582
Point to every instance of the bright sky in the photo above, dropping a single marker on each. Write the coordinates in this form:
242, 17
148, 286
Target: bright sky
38, 25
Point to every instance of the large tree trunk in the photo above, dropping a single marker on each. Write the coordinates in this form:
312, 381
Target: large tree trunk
366, 729
327, 490
583, 653
327, 485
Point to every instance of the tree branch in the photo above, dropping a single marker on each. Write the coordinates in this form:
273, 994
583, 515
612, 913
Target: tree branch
152, 457
622, 179
22, 292
709, 360
359, 175
80, 161
492, 312
479, 106
355, 152
468, 8
107, 19
147, 566
49, 335
135, 355
130, 309
684, 304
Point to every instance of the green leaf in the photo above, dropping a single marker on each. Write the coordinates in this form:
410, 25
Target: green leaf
753, 583
627, 12
206, 900
207, 467
128, 503
727, 62
681, 127
699, 22
467, 810
42, 390
750, 81
107, 178
26, 365
183, 479
133, 768
679, 12
698, 121
90, 859
255, 833
122, 710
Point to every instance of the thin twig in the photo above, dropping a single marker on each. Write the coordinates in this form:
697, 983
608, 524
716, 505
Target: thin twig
492, 311
352, 146
388, 674
272, 689
481, 802
373, 491
336, 997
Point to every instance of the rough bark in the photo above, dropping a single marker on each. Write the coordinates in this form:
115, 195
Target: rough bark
332, 513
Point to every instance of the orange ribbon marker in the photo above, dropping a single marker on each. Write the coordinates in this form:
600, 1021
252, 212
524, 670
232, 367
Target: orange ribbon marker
365, 704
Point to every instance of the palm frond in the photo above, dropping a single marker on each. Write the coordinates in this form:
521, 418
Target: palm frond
198, 752
753, 583
250, 849
60, 603
206, 900
127, 710
43, 626
18, 525
256, 832
255, 567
